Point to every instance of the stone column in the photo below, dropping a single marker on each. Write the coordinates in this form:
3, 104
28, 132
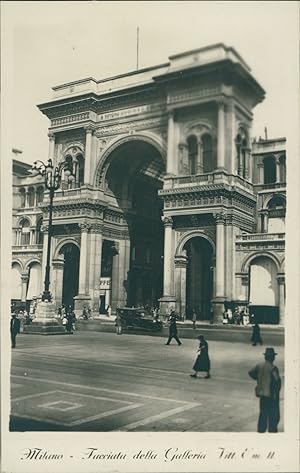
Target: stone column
264, 222
95, 267
24, 279
281, 282
171, 147
180, 284
221, 135
220, 267
250, 167
57, 277
44, 230
261, 173
51, 137
277, 162
246, 170
82, 298
168, 297
183, 159
88, 155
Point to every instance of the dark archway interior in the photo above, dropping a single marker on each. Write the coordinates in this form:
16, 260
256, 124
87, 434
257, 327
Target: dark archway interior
71, 273
132, 181
199, 281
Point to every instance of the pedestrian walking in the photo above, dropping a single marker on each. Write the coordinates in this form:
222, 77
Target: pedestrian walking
202, 362
69, 322
256, 337
14, 329
118, 324
267, 389
194, 319
173, 329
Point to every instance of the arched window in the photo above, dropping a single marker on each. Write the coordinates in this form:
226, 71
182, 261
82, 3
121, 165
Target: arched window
193, 153
80, 170
22, 197
39, 233
207, 153
276, 202
269, 170
31, 195
25, 232
39, 194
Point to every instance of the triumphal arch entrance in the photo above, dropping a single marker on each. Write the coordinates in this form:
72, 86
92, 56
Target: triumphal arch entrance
163, 183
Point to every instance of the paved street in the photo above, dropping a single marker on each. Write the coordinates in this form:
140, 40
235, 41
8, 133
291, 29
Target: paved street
103, 382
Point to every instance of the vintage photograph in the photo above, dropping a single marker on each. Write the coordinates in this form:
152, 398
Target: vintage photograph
156, 219
149, 162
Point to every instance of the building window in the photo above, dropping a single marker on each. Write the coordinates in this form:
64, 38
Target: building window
269, 170
193, 153
39, 194
22, 197
31, 196
25, 232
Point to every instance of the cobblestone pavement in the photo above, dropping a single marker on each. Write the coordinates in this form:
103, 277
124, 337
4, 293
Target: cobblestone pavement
103, 382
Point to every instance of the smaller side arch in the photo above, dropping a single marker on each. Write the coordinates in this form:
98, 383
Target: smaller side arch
19, 262
192, 234
247, 261
63, 243
31, 261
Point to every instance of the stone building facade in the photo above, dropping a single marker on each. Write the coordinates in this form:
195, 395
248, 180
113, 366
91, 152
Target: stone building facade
172, 203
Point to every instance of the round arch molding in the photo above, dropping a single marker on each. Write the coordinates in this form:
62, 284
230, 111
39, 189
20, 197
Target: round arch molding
105, 159
19, 262
192, 234
62, 243
247, 261
31, 261
270, 197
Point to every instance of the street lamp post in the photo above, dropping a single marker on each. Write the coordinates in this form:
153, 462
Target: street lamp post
45, 322
52, 176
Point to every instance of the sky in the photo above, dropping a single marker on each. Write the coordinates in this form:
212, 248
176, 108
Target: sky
50, 43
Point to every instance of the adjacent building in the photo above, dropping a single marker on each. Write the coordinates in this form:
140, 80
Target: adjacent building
172, 202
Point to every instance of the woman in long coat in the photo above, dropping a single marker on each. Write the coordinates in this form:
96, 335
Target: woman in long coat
202, 362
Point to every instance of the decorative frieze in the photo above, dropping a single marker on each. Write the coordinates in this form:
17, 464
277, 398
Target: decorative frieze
70, 119
193, 94
116, 129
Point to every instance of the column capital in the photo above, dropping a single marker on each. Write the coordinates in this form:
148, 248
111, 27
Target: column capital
167, 221
25, 276
96, 228
182, 146
281, 279
220, 217
44, 228
89, 129
181, 261
51, 136
84, 227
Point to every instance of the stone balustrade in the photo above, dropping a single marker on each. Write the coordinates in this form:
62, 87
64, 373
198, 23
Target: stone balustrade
261, 236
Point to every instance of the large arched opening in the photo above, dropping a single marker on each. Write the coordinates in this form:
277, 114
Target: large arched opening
199, 277
71, 255
132, 180
263, 290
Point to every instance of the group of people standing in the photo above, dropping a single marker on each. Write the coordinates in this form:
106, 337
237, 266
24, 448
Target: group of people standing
68, 318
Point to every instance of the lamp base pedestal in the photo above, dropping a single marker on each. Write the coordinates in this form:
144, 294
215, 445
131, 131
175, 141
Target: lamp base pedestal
45, 322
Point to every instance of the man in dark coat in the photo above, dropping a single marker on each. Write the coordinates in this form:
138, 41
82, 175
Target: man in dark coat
173, 329
14, 329
256, 337
268, 386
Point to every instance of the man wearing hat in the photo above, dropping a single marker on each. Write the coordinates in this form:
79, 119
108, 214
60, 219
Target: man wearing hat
268, 386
